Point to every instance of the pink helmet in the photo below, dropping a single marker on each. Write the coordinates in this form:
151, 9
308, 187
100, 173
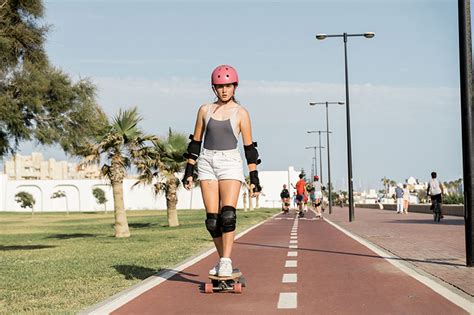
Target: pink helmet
224, 74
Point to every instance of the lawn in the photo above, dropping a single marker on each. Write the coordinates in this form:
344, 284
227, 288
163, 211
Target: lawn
58, 263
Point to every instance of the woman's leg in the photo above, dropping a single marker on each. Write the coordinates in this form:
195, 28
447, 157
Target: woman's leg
210, 196
229, 190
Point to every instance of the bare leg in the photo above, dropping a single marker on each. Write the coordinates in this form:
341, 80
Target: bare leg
229, 190
210, 196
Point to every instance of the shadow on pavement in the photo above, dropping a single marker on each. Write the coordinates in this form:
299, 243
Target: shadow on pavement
443, 221
69, 236
24, 247
179, 276
434, 261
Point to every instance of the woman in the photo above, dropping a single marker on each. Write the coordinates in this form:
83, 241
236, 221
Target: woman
219, 165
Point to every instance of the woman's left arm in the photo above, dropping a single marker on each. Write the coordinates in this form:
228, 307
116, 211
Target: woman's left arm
251, 153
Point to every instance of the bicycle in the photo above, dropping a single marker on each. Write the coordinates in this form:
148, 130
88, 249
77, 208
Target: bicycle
436, 210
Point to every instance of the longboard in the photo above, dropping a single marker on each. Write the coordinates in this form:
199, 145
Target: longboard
233, 283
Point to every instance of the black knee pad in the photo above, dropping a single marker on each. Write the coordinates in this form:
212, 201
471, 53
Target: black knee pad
229, 218
213, 225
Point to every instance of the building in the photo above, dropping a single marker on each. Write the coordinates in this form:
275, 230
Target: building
34, 167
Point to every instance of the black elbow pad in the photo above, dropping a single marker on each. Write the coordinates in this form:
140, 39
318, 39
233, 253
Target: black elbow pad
251, 153
194, 149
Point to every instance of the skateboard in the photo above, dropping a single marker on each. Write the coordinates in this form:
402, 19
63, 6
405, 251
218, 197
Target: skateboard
234, 283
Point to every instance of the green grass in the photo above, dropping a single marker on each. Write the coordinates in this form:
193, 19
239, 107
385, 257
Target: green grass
53, 263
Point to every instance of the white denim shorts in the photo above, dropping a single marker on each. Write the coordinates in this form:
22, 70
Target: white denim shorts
217, 165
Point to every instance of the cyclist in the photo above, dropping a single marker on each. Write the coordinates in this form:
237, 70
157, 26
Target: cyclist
435, 191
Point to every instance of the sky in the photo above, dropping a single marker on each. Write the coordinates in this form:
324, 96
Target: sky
158, 56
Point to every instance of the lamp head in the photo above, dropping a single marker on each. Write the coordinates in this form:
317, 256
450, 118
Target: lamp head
369, 34
321, 36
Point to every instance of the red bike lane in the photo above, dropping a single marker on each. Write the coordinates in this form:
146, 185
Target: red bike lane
296, 265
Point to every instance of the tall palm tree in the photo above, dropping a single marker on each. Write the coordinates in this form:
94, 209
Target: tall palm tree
122, 145
385, 181
162, 166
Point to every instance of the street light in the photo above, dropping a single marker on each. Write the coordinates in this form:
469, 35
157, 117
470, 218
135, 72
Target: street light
348, 120
314, 158
320, 157
327, 144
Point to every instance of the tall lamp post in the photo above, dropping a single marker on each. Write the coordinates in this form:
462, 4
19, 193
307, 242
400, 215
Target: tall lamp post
320, 147
348, 120
327, 144
467, 125
314, 158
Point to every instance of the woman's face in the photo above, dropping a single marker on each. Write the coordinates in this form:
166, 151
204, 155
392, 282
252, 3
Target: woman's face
225, 92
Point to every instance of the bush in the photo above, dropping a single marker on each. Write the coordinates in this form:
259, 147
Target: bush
453, 199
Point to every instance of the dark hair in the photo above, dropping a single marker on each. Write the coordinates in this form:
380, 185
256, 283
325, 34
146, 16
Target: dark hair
433, 174
301, 176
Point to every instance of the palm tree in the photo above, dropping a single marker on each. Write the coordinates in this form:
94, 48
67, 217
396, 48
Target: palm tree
122, 144
163, 163
385, 181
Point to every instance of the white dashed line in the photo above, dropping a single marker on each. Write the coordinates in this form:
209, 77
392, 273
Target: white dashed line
292, 254
287, 300
293, 246
289, 278
293, 242
291, 263
293, 237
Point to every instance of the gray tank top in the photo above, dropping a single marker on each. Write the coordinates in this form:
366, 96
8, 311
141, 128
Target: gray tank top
220, 134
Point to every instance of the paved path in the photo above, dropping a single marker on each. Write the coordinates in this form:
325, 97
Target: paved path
297, 265
437, 248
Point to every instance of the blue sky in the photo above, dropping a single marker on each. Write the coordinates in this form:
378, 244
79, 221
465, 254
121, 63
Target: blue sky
157, 55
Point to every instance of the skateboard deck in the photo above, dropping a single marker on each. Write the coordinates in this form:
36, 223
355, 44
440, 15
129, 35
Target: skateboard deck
233, 283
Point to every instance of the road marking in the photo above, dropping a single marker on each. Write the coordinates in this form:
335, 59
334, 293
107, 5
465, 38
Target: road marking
294, 234
114, 302
293, 242
445, 290
289, 278
291, 263
293, 246
287, 300
293, 237
292, 254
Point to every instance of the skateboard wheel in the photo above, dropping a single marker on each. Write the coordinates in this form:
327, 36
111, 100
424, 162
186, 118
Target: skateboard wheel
237, 288
208, 288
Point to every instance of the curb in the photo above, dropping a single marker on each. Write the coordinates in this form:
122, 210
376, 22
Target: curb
114, 302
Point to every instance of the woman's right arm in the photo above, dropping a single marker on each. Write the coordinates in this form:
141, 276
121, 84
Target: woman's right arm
196, 138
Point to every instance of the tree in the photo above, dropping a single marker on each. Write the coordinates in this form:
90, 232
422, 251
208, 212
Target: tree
163, 164
386, 182
122, 145
37, 101
61, 194
26, 200
99, 195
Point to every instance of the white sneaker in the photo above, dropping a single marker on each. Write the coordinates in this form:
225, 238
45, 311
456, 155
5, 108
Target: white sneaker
214, 270
225, 267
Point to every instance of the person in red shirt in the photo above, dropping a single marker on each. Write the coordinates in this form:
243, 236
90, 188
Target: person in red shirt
300, 193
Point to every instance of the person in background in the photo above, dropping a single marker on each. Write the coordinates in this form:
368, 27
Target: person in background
406, 198
285, 200
435, 191
399, 198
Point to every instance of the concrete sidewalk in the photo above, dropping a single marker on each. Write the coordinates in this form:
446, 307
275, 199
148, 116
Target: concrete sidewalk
436, 248
293, 265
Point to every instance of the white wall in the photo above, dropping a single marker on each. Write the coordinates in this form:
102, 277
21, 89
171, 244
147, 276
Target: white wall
80, 198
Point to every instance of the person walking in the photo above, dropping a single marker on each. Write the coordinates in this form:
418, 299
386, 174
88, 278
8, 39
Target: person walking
399, 197
406, 198
219, 164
